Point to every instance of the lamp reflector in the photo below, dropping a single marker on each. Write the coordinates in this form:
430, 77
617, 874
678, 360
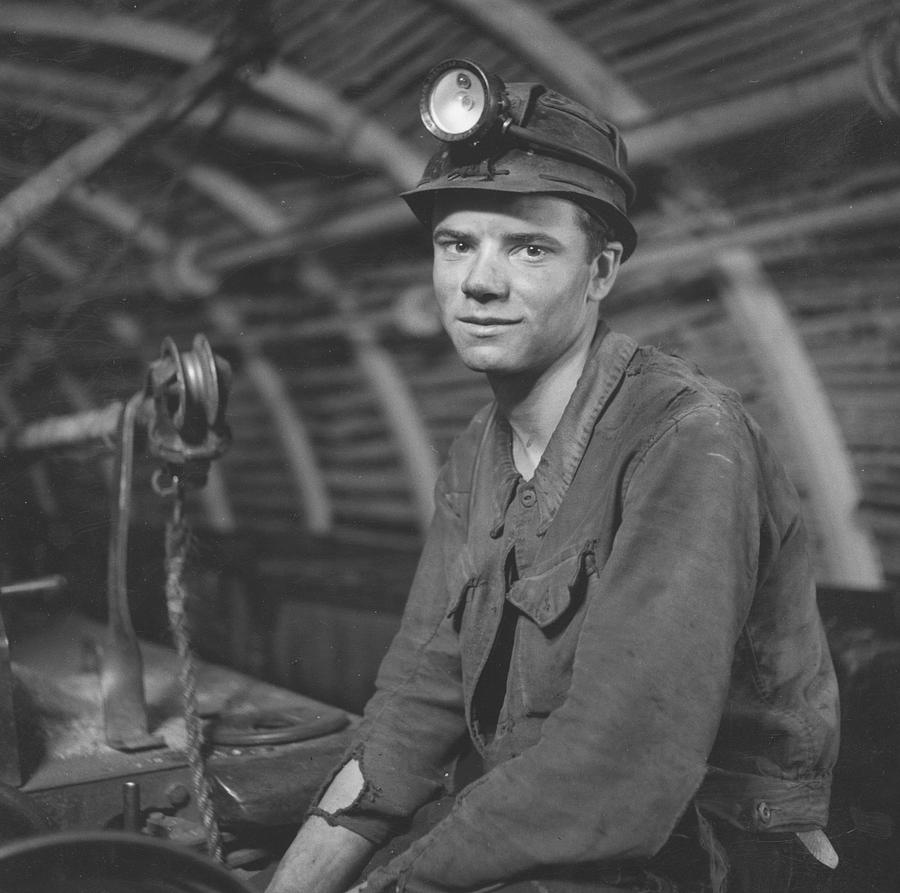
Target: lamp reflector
457, 102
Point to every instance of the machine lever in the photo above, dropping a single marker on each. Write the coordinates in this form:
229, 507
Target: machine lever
122, 668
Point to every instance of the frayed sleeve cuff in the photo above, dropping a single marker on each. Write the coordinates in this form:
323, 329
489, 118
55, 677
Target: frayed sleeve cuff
376, 829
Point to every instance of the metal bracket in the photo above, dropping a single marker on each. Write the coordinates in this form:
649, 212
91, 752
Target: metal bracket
183, 403
189, 392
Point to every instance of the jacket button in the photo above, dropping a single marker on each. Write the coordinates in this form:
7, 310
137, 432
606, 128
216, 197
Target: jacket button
763, 812
528, 498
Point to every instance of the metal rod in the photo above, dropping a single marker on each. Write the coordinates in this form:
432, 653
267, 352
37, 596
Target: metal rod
51, 583
70, 430
131, 806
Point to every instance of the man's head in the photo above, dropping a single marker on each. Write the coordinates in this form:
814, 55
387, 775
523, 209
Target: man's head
528, 214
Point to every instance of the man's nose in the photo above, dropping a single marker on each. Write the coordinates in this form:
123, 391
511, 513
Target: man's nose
485, 279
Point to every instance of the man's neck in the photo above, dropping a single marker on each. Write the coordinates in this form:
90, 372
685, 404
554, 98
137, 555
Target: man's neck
534, 405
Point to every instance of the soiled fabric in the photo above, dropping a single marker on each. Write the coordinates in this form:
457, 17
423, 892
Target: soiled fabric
627, 639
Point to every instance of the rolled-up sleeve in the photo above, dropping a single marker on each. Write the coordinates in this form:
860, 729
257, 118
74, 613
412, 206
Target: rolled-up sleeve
618, 762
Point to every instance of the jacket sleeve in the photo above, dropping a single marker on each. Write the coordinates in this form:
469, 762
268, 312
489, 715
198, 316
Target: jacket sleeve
414, 724
619, 760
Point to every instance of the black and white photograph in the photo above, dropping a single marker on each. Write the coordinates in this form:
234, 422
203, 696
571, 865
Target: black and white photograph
449, 446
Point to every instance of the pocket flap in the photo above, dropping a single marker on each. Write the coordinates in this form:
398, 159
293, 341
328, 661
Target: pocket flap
545, 595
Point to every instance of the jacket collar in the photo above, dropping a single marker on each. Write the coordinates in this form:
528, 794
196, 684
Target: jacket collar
609, 355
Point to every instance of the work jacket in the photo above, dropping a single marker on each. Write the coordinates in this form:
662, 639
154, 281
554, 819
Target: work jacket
647, 599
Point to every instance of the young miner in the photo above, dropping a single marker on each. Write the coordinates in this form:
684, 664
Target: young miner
614, 608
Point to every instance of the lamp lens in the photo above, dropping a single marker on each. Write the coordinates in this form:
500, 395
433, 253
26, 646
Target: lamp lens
457, 101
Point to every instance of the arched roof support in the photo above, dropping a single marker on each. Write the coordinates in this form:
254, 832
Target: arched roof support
362, 139
19, 208
850, 557
525, 28
300, 455
315, 502
391, 389
51, 258
518, 25
91, 99
700, 252
252, 209
378, 366
124, 219
744, 115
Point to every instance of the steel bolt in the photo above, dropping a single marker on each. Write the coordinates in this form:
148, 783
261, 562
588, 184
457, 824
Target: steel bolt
178, 795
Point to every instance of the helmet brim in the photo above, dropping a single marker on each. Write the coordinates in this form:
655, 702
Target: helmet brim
421, 203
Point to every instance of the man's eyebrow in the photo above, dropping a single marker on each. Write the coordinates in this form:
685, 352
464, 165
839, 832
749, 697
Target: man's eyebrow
537, 236
447, 233
517, 238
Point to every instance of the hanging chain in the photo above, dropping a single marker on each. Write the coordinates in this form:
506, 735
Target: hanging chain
177, 542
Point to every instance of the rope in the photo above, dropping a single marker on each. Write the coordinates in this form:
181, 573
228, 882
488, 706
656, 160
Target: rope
177, 542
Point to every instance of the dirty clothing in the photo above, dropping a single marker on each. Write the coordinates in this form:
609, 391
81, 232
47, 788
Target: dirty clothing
628, 639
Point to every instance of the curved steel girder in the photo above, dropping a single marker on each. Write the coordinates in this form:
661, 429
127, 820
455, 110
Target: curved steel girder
757, 310
362, 139
20, 207
300, 455
379, 367
391, 389
516, 24
850, 552
315, 502
393, 394
568, 64
519, 26
263, 218
123, 218
89, 100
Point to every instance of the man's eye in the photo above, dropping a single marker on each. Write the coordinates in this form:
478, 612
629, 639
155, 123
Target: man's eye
454, 246
534, 251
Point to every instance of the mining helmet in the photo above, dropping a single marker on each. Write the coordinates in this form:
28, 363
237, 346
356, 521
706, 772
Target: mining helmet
520, 137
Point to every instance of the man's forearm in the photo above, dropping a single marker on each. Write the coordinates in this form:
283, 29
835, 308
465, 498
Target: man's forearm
322, 859
325, 858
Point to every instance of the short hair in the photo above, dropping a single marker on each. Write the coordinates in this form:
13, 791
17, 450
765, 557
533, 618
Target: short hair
596, 231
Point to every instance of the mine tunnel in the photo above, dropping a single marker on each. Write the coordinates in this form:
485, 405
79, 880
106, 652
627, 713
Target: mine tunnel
227, 392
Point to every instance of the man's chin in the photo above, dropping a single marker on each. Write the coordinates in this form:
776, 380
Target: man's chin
485, 359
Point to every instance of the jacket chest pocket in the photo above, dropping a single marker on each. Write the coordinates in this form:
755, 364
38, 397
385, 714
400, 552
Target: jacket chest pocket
473, 613
552, 598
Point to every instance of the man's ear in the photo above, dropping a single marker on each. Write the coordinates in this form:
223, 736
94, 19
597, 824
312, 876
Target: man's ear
604, 269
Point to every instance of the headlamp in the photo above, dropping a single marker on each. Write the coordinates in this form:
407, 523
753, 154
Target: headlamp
469, 108
460, 101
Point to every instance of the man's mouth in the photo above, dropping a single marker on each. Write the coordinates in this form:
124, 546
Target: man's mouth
488, 320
